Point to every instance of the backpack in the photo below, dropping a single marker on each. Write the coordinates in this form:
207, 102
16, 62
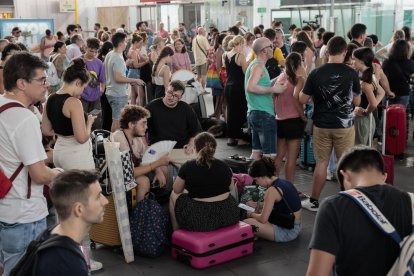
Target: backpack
404, 264
52, 76
27, 265
5, 182
273, 68
149, 228
98, 137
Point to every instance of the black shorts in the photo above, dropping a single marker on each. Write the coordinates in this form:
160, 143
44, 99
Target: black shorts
202, 216
291, 129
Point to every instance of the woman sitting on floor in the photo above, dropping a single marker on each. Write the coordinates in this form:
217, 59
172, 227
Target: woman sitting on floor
281, 199
206, 203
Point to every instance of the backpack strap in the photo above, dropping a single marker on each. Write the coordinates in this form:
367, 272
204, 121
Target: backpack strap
372, 211
21, 166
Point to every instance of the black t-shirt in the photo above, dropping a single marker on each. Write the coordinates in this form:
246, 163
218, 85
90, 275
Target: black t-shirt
204, 182
61, 261
332, 88
361, 248
176, 124
398, 74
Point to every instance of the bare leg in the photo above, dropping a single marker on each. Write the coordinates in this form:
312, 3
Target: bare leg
266, 230
173, 199
292, 154
143, 187
281, 152
134, 94
141, 95
115, 125
319, 179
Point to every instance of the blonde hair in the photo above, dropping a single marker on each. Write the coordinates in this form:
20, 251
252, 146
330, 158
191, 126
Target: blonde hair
398, 34
226, 41
237, 40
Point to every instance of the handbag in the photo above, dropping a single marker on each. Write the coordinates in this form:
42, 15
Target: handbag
128, 170
282, 219
223, 76
213, 78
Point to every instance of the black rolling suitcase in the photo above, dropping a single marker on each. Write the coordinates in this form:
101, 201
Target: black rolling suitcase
238, 163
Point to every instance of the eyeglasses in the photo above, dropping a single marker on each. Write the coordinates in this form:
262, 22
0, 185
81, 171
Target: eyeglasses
270, 46
42, 81
170, 93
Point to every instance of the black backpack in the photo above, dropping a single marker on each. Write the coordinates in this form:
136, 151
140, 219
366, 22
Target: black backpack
27, 265
273, 68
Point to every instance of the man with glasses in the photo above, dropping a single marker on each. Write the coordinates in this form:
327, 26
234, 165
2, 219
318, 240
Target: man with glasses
260, 109
23, 208
172, 119
16, 32
71, 29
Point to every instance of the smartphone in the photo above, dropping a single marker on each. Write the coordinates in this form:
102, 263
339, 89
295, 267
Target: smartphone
246, 207
95, 112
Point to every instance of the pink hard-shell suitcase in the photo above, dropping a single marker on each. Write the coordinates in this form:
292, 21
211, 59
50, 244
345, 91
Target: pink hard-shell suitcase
205, 249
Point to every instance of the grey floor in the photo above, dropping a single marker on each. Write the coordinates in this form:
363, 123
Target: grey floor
268, 258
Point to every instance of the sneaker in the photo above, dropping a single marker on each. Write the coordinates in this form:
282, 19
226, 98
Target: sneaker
330, 175
95, 265
311, 206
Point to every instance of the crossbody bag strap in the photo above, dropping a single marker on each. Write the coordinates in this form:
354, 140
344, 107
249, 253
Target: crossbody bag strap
283, 198
21, 166
372, 211
201, 48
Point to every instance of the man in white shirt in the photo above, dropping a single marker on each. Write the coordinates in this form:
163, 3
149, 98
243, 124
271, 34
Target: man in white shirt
200, 49
74, 49
23, 209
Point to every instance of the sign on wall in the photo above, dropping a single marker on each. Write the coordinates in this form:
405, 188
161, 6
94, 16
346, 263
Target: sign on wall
32, 29
67, 5
244, 2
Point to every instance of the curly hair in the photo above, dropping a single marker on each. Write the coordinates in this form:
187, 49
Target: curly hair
132, 113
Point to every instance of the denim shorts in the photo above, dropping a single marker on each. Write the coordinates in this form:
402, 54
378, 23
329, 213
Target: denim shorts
263, 128
117, 104
286, 235
134, 73
14, 239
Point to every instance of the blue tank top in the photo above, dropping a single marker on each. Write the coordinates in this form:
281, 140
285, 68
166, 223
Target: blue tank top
290, 194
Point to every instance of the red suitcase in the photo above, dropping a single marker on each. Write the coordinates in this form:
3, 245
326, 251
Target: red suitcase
396, 129
205, 249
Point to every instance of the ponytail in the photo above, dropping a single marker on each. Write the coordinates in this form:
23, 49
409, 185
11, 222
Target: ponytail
205, 145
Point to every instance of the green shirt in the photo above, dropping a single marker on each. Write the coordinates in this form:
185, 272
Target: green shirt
261, 102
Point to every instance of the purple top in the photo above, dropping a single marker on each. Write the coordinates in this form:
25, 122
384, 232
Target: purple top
97, 71
182, 61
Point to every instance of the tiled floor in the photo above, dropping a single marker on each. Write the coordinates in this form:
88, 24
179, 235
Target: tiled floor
268, 258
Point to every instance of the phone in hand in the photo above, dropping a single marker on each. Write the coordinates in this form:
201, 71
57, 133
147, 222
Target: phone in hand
246, 207
95, 112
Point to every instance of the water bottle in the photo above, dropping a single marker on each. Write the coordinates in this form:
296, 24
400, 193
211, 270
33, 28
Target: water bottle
86, 250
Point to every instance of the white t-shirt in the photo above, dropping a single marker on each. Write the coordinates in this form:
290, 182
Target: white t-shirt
73, 51
21, 141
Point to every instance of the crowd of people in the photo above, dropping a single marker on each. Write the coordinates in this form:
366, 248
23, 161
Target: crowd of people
121, 82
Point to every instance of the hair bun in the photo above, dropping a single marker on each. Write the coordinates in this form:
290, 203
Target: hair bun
78, 64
